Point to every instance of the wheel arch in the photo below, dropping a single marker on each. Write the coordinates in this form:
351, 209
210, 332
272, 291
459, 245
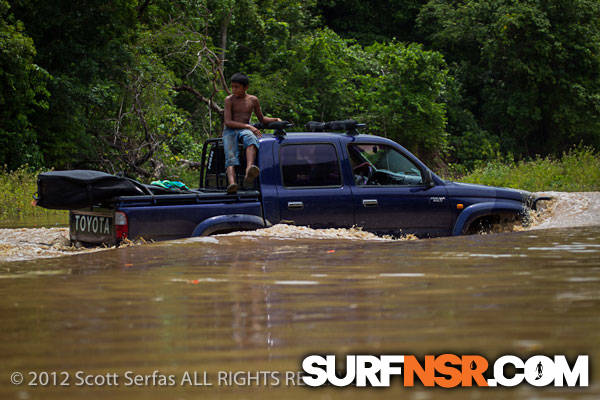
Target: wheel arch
476, 212
229, 223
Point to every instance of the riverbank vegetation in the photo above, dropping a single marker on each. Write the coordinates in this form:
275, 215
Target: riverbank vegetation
577, 170
16, 194
137, 85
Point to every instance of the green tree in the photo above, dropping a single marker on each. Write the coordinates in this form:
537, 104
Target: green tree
136, 137
22, 93
371, 21
530, 69
402, 96
255, 35
83, 45
315, 82
399, 90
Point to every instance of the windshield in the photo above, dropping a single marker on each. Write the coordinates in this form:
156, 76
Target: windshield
382, 165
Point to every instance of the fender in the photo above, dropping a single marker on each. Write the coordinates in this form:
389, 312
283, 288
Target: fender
238, 222
475, 211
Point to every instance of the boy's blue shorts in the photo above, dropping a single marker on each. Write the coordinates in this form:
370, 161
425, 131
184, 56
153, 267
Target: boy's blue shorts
231, 137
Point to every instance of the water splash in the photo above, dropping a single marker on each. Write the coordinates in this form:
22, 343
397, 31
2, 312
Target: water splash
567, 210
32, 243
283, 231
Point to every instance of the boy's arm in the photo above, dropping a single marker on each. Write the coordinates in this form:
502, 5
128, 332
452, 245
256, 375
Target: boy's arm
263, 120
230, 123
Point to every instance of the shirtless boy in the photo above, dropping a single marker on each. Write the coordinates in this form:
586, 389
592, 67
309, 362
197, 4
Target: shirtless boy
238, 110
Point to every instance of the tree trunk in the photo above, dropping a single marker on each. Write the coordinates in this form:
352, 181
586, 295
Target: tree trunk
224, 27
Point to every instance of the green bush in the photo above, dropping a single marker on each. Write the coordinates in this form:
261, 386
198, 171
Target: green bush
16, 190
578, 170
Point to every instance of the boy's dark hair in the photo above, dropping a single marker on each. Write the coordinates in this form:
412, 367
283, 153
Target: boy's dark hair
240, 78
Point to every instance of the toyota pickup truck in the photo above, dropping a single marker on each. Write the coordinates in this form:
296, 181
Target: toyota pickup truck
316, 179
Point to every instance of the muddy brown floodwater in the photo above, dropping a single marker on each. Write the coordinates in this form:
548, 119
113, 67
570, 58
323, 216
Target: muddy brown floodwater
247, 303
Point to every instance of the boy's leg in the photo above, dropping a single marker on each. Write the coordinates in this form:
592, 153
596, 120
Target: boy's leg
251, 145
250, 157
230, 146
252, 170
230, 175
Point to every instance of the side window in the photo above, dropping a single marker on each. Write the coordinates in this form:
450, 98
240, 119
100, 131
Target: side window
304, 165
376, 164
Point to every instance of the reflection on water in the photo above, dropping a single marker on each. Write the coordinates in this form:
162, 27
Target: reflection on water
51, 219
247, 303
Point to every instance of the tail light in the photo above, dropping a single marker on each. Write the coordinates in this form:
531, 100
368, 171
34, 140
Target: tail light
121, 225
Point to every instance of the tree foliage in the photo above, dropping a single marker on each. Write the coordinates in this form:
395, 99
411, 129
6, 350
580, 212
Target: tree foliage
401, 95
373, 21
137, 85
397, 89
530, 69
22, 93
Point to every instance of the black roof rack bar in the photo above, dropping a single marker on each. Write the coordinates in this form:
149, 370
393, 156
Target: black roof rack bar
278, 126
349, 125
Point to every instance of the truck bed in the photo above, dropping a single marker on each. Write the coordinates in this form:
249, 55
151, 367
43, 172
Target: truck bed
163, 216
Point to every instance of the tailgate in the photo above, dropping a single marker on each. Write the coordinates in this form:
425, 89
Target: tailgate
92, 226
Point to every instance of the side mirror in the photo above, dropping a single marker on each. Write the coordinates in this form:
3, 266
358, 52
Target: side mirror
429, 182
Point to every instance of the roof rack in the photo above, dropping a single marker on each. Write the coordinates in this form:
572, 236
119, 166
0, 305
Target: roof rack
278, 126
349, 125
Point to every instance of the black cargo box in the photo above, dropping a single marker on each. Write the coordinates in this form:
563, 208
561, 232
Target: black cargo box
75, 189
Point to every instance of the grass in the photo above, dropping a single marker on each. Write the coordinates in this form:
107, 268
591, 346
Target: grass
16, 190
576, 171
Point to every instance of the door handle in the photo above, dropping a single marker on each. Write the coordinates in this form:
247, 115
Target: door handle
370, 203
295, 205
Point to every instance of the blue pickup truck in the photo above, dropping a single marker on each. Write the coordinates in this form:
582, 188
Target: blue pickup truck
316, 179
